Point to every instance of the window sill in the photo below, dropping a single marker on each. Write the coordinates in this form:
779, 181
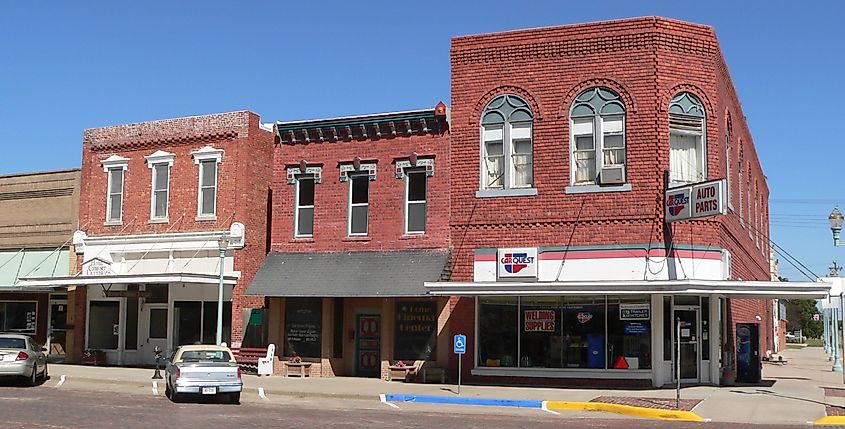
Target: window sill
153, 221
302, 240
513, 192
359, 238
206, 218
589, 189
412, 236
113, 223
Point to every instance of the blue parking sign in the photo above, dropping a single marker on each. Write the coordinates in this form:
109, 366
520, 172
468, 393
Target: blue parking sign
460, 344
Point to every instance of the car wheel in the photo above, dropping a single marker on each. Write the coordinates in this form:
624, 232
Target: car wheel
167, 392
175, 397
33, 379
235, 398
44, 374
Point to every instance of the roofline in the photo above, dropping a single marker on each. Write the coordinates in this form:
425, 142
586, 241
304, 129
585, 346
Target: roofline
653, 18
386, 116
35, 173
170, 119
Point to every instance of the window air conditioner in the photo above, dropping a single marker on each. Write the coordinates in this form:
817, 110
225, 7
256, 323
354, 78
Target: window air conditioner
614, 175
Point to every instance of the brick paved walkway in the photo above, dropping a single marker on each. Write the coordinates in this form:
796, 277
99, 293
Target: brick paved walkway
657, 403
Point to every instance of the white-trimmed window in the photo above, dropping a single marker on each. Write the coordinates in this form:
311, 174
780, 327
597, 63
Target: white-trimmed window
114, 209
207, 159
597, 123
303, 216
728, 180
159, 164
208, 188
359, 204
416, 183
507, 144
687, 151
115, 167
161, 189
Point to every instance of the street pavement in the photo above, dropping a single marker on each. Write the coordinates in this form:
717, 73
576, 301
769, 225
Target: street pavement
52, 408
793, 394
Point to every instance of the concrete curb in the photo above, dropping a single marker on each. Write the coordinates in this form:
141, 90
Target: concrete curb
628, 410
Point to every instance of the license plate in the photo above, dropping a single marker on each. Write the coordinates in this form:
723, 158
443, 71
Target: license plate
209, 390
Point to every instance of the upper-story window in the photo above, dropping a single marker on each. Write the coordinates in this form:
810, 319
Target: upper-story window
115, 168
415, 201
597, 121
506, 149
359, 203
207, 159
728, 134
304, 210
687, 151
159, 163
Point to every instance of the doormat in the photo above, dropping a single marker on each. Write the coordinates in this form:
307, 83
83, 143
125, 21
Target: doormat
656, 403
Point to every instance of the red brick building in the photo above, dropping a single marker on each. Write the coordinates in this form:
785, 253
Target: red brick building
360, 219
563, 142
156, 199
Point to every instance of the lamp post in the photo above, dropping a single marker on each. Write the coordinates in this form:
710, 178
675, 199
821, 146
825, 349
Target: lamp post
835, 219
222, 245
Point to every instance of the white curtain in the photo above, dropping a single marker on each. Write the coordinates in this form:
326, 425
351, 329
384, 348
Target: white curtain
522, 155
684, 157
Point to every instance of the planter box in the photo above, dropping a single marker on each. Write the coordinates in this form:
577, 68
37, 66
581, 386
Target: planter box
302, 369
400, 373
96, 358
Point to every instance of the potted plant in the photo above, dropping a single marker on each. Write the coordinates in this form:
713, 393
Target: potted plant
303, 369
399, 371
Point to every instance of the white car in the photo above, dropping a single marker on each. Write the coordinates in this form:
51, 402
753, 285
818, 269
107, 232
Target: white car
203, 370
22, 357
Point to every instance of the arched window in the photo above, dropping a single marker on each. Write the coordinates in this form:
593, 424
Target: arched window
728, 135
687, 152
597, 124
506, 149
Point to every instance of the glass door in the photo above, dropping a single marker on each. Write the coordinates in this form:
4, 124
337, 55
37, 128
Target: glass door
689, 340
58, 328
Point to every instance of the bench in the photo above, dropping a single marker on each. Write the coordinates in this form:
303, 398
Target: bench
247, 357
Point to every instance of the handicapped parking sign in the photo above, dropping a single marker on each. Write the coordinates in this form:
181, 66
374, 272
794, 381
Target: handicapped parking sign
460, 344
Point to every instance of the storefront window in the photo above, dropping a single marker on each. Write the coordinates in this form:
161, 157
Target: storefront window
705, 328
540, 337
667, 328
195, 322
498, 321
583, 332
416, 330
18, 317
629, 333
103, 325
303, 326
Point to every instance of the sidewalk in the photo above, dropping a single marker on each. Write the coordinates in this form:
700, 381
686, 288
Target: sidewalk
792, 394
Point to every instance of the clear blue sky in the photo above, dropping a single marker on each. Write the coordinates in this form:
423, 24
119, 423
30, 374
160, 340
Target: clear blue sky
66, 66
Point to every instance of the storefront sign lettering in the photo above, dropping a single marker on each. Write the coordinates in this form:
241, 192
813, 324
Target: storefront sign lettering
539, 321
416, 329
517, 263
696, 200
636, 329
97, 267
584, 317
634, 312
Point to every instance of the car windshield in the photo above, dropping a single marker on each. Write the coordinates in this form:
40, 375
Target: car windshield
12, 343
206, 356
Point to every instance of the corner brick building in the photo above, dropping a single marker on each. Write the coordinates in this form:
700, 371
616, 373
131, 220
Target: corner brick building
564, 140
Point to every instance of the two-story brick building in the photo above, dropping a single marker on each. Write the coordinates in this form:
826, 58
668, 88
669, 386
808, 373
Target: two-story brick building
360, 220
158, 202
564, 141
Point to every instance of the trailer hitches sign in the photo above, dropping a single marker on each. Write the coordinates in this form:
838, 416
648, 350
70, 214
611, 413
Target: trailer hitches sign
696, 200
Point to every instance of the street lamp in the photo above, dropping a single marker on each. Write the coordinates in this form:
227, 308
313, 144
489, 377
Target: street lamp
835, 219
222, 245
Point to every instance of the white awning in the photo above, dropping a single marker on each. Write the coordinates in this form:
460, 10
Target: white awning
730, 288
183, 277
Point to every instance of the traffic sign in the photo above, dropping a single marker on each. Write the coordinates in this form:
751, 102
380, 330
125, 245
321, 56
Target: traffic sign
460, 344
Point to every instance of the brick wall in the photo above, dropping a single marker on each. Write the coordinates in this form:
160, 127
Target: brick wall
242, 192
386, 198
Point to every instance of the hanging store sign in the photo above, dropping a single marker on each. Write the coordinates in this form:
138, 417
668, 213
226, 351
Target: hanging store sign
634, 312
696, 200
539, 321
97, 267
518, 263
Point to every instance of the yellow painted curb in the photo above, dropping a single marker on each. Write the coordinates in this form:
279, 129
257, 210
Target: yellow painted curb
648, 413
830, 420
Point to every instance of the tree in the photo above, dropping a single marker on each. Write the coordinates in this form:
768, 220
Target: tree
800, 316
